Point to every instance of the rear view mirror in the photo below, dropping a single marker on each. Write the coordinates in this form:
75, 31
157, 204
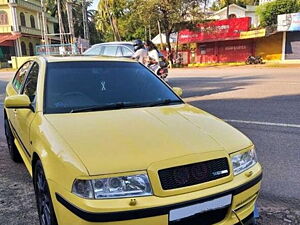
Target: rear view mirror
178, 91
17, 102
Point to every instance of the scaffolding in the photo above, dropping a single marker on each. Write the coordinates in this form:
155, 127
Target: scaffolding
67, 40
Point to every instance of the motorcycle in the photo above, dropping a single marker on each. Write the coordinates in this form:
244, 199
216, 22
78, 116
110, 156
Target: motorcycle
160, 69
254, 60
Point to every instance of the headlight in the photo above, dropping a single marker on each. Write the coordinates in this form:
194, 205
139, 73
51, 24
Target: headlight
113, 187
243, 161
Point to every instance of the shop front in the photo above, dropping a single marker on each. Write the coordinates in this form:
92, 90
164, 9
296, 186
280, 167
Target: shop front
219, 41
289, 24
7, 47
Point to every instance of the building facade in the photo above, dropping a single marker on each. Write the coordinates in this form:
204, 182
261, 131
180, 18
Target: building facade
236, 11
21, 27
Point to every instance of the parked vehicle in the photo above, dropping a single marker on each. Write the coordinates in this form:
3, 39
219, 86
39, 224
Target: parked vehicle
108, 142
254, 60
122, 49
118, 49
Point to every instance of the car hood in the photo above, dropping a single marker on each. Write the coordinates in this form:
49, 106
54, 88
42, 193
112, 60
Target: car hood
132, 139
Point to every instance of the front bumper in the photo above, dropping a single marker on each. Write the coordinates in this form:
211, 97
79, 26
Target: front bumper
89, 212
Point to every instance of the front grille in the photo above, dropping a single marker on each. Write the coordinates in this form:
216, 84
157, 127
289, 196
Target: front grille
206, 218
191, 174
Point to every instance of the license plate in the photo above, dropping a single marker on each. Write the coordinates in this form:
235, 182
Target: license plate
187, 211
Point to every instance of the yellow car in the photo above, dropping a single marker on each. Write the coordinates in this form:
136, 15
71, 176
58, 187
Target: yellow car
107, 142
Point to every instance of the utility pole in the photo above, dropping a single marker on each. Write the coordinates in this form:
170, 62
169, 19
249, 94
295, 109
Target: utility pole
70, 21
160, 35
227, 3
44, 28
85, 21
60, 23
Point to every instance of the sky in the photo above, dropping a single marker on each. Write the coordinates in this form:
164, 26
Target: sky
95, 4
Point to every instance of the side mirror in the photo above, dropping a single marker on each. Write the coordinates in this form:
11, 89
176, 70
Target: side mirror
178, 91
17, 102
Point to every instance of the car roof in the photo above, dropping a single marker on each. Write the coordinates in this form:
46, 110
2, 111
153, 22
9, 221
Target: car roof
115, 43
51, 59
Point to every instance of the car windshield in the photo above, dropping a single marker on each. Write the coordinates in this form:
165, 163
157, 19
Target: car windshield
103, 85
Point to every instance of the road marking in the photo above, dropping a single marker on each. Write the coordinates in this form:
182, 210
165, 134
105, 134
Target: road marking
264, 123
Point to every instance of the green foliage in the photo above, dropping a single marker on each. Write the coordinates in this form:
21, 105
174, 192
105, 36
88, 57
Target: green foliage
132, 19
219, 4
268, 12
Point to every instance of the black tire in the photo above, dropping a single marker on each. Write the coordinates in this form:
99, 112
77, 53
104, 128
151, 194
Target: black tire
13, 151
43, 198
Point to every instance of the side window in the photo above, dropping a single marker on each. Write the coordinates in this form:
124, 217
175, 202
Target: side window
126, 52
119, 52
20, 76
110, 50
93, 51
31, 82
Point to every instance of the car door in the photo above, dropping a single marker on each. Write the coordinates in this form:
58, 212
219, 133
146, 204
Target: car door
15, 87
24, 117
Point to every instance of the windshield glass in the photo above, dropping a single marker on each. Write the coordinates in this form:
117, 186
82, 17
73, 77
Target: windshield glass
102, 85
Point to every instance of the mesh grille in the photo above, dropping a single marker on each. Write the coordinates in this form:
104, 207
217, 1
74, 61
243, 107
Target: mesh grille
197, 173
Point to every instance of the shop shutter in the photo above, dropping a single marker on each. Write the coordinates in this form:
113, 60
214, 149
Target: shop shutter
292, 48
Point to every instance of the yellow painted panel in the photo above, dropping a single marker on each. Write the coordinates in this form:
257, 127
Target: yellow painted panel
270, 48
253, 34
19, 61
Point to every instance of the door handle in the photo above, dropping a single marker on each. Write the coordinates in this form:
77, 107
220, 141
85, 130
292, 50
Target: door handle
15, 112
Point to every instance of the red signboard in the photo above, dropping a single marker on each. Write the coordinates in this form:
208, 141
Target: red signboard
216, 31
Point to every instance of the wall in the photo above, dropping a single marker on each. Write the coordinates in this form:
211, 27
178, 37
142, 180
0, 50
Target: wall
18, 61
269, 48
254, 18
232, 10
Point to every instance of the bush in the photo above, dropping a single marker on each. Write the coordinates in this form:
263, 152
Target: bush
268, 12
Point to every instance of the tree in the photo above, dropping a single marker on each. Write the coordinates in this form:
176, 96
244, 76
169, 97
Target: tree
219, 4
173, 15
268, 12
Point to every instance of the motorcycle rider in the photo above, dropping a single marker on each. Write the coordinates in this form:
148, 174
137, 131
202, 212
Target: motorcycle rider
140, 53
156, 60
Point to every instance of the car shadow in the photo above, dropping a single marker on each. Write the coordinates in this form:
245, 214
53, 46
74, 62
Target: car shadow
202, 86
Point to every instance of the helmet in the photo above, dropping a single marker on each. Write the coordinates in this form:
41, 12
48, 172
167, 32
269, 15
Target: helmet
138, 44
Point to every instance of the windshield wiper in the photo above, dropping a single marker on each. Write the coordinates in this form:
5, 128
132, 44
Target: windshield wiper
164, 102
119, 105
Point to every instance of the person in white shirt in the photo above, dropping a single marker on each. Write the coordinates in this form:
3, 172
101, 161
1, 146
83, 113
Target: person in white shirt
140, 54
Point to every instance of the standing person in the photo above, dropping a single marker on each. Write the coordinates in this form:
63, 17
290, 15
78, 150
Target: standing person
140, 53
171, 55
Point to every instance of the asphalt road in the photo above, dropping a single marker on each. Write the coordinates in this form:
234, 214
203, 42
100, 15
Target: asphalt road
269, 97
262, 102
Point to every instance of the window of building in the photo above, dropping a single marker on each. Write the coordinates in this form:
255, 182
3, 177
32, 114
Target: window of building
31, 50
23, 48
32, 22
231, 16
23, 20
3, 18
